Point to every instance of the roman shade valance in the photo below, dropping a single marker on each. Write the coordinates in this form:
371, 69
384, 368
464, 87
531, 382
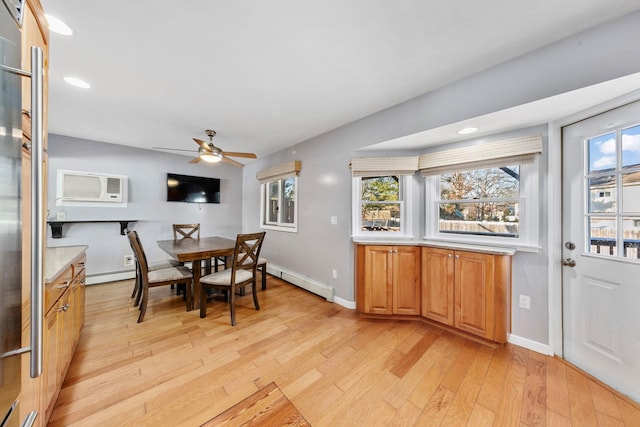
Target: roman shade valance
485, 155
378, 166
284, 170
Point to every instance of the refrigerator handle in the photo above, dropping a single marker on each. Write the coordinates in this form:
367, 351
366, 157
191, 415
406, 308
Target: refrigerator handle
37, 221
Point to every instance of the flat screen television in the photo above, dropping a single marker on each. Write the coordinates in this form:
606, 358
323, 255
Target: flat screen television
192, 189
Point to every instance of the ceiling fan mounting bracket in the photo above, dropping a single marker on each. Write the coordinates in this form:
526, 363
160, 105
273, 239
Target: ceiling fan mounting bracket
210, 133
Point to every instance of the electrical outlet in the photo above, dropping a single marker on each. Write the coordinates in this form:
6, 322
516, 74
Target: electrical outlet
128, 260
525, 302
334, 273
334, 220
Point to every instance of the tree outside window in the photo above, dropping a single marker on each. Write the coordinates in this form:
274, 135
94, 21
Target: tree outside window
380, 204
481, 202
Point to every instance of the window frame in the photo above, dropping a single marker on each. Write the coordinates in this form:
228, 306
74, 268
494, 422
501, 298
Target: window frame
406, 208
278, 225
528, 239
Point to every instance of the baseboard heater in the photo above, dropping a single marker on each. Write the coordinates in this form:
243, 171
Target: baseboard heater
114, 276
306, 283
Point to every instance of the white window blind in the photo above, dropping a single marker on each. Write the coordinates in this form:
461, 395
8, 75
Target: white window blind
382, 166
278, 172
486, 155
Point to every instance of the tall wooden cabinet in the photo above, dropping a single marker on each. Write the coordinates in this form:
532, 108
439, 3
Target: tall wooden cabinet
467, 291
391, 280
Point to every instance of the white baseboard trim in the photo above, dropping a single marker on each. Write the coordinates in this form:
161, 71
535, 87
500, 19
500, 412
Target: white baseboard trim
530, 344
94, 279
318, 288
345, 303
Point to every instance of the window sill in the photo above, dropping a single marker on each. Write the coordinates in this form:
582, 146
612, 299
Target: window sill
276, 228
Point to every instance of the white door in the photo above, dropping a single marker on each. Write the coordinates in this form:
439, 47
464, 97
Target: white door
601, 238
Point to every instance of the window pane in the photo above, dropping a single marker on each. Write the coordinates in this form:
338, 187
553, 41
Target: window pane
602, 235
489, 183
631, 233
602, 193
631, 147
288, 202
481, 218
380, 189
631, 192
272, 205
380, 217
602, 153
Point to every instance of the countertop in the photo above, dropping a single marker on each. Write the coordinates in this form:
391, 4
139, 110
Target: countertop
59, 259
495, 250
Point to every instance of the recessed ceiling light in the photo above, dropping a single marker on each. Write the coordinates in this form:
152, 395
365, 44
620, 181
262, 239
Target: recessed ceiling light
57, 26
467, 131
73, 81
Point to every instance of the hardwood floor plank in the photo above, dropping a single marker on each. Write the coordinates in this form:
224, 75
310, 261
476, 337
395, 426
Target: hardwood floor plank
557, 388
337, 369
535, 392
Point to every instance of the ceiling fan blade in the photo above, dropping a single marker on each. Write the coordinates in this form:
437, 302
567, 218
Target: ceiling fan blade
202, 144
196, 160
232, 162
236, 154
174, 149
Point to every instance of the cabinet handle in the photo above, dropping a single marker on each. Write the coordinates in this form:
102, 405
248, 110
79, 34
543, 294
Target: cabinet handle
449, 255
63, 308
64, 285
390, 251
457, 256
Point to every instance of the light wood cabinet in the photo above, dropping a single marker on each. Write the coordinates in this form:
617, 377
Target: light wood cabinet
391, 282
466, 291
63, 322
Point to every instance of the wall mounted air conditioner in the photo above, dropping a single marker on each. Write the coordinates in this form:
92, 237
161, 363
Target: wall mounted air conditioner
91, 187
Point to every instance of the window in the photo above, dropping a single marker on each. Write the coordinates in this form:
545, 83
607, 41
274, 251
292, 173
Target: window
381, 207
279, 197
382, 195
474, 197
279, 207
480, 202
613, 184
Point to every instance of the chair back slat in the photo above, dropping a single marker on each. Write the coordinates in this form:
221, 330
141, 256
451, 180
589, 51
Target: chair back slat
247, 251
184, 231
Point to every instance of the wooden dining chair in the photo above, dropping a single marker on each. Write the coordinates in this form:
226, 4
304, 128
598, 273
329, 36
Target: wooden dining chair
160, 277
242, 272
182, 231
136, 294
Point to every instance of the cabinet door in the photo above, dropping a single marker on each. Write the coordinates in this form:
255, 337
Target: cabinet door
34, 33
438, 285
378, 280
406, 280
50, 373
474, 293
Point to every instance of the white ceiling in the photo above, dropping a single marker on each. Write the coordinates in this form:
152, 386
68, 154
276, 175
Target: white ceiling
269, 74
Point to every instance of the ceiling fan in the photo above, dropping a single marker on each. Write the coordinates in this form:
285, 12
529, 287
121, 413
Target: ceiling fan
212, 154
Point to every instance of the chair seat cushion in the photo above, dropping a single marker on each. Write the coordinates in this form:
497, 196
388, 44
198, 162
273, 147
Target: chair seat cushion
170, 273
223, 278
262, 261
163, 264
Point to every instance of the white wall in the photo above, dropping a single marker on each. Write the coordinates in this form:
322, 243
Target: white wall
147, 203
595, 56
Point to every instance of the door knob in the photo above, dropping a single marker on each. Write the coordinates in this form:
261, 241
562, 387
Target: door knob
569, 262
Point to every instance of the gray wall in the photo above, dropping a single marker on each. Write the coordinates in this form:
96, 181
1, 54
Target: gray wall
597, 55
147, 203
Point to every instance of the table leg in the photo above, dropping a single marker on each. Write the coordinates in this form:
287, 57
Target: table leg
197, 273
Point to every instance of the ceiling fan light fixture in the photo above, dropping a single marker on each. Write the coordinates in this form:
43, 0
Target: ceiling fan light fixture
212, 156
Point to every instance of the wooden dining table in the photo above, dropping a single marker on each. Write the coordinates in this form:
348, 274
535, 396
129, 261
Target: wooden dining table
195, 251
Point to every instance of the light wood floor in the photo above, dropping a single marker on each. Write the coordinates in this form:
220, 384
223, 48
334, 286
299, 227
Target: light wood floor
176, 369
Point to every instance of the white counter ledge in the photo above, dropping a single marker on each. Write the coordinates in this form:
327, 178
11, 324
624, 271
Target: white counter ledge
495, 250
59, 258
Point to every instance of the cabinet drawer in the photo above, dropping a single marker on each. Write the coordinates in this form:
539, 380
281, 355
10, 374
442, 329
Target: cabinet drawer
54, 290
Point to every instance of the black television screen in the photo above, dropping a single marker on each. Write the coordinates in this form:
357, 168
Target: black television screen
192, 189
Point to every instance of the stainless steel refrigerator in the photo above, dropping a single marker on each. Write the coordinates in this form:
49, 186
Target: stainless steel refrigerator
11, 221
